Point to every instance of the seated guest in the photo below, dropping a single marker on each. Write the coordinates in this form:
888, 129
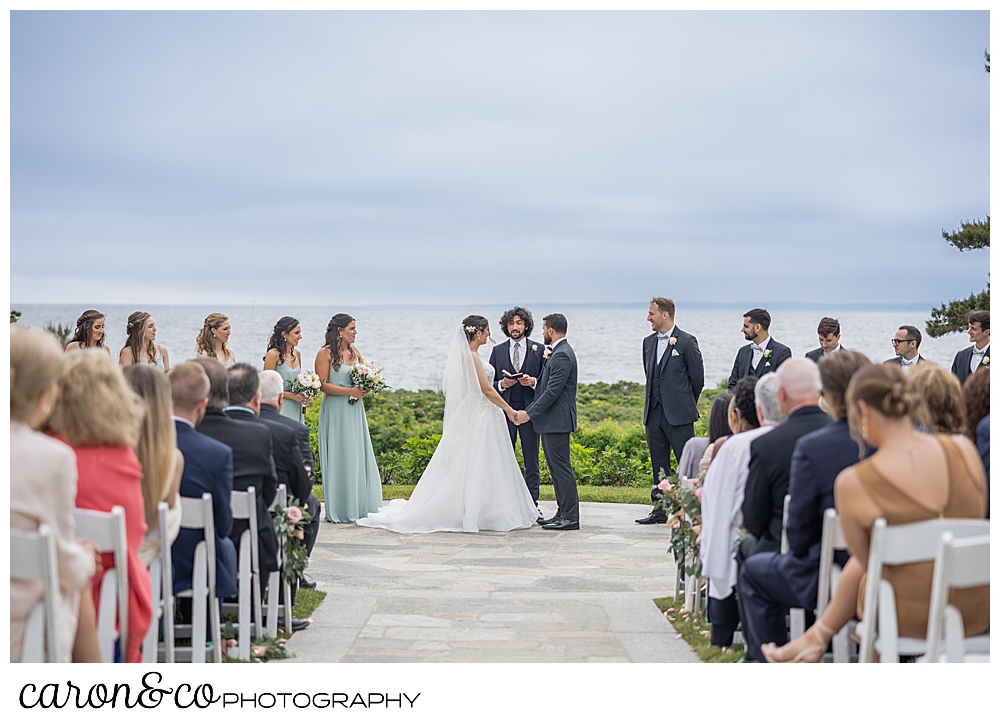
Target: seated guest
770, 583
721, 495
718, 431
208, 467
771, 456
972, 357
42, 492
99, 416
162, 463
271, 397
940, 408
763, 354
910, 477
976, 396
905, 343
828, 332
253, 463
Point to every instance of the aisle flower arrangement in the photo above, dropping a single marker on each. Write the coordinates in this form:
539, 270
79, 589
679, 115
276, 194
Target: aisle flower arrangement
682, 506
289, 526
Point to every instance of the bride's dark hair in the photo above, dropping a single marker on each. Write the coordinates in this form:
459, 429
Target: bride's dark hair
476, 323
338, 322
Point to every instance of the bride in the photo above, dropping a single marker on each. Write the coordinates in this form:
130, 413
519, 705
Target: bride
472, 482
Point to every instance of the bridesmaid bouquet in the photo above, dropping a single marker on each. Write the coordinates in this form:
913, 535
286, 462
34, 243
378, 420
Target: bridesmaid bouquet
367, 377
307, 384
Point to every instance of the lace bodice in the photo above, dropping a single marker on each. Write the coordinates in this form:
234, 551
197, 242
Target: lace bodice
490, 371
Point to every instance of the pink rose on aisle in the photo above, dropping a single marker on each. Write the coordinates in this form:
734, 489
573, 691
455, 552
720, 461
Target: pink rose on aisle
665, 485
697, 493
294, 515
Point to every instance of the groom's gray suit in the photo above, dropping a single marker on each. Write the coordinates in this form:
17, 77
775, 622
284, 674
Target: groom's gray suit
553, 414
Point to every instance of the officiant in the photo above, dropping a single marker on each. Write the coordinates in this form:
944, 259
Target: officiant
518, 364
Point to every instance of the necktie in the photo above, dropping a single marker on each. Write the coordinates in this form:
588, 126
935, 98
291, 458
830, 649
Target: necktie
517, 357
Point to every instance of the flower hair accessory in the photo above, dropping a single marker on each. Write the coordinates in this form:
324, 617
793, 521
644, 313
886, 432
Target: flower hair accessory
472, 329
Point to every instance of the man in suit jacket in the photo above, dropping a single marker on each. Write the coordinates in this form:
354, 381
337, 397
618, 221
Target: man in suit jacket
906, 342
675, 376
828, 332
763, 354
253, 464
520, 355
771, 456
271, 388
770, 583
968, 360
554, 415
208, 467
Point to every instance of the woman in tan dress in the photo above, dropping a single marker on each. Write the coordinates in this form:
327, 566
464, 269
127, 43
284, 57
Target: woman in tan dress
913, 476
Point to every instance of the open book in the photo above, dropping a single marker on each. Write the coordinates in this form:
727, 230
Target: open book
513, 376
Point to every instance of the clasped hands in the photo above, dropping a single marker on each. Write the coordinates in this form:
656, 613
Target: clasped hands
518, 417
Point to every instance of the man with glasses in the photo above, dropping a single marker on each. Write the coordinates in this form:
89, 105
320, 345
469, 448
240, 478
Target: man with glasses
906, 342
972, 357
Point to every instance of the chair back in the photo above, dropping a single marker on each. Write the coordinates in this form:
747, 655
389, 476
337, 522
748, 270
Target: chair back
244, 507
959, 563
33, 557
106, 531
831, 541
197, 514
903, 545
784, 524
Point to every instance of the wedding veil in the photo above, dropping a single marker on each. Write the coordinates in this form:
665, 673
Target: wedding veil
460, 376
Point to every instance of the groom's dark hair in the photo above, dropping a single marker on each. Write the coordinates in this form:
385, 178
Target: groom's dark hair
529, 323
556, 322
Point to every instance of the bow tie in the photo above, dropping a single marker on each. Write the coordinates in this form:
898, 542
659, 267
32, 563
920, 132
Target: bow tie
662, 336
908, 363
980, 352
756, 347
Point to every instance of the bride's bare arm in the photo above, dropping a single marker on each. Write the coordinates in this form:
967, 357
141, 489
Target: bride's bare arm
488, 391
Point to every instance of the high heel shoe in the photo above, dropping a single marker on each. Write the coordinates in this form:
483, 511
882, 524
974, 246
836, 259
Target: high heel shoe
807, 655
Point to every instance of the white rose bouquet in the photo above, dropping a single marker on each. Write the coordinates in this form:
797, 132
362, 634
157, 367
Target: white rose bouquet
307, 384
368, 377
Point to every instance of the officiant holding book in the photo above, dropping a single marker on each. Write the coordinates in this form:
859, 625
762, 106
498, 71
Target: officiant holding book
518, 364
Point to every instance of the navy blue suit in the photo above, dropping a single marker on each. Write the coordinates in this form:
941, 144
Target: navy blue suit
770, 582
208, 467
521, 397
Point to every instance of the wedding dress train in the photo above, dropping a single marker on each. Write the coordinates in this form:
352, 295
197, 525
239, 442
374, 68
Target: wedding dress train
473, 481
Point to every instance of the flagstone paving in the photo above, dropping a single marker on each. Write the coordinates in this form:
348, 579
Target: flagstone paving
521, 596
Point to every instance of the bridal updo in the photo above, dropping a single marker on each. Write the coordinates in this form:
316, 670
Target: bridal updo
474, 324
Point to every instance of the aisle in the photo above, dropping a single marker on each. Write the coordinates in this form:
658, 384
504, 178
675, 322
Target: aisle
523, 596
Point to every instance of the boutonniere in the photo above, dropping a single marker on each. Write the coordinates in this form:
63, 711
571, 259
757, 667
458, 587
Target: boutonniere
673, 340
767, 353
986, 361
547, 353
534, 347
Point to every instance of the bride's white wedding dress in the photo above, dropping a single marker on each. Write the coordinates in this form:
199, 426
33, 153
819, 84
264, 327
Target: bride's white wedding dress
472, 482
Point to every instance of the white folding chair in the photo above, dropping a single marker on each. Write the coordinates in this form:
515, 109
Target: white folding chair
276, 583
197, 514
244, 506
33, 557
796, 616
901, 545
829, 575
959, 564
161, 579
106, 531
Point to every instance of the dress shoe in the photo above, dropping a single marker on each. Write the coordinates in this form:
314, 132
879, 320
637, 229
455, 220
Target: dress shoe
653, 518
306, 584
562, 525
549, 521
299, 624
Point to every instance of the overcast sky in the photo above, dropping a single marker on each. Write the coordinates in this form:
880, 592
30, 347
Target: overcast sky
354, 157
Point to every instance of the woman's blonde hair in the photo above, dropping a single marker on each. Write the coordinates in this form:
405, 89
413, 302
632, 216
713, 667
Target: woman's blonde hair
157, 436
96, 407
940, 407
206, 342
884, 388
36, 363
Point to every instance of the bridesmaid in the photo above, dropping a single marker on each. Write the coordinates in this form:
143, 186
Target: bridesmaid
141, 346
351, 482
89, 332
283, 357
212, 340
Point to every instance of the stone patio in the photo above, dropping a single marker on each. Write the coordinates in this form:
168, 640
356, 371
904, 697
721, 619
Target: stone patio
523, 596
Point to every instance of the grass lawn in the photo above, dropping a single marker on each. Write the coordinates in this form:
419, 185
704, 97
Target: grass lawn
696, 632
588, 493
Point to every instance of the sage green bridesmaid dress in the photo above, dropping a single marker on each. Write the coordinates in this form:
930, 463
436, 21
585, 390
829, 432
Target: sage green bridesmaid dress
289, 407
352, 486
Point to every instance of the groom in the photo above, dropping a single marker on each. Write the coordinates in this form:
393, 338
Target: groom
553, 414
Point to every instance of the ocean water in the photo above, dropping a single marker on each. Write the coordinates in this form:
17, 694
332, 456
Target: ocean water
411, 342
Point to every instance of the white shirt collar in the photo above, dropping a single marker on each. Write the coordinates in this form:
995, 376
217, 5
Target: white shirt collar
668, 332
554, 345
188, 422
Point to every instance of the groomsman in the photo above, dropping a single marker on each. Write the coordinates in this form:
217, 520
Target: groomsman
675, 376
828, 332
521, 359
969, 359
906, 342
763, 354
